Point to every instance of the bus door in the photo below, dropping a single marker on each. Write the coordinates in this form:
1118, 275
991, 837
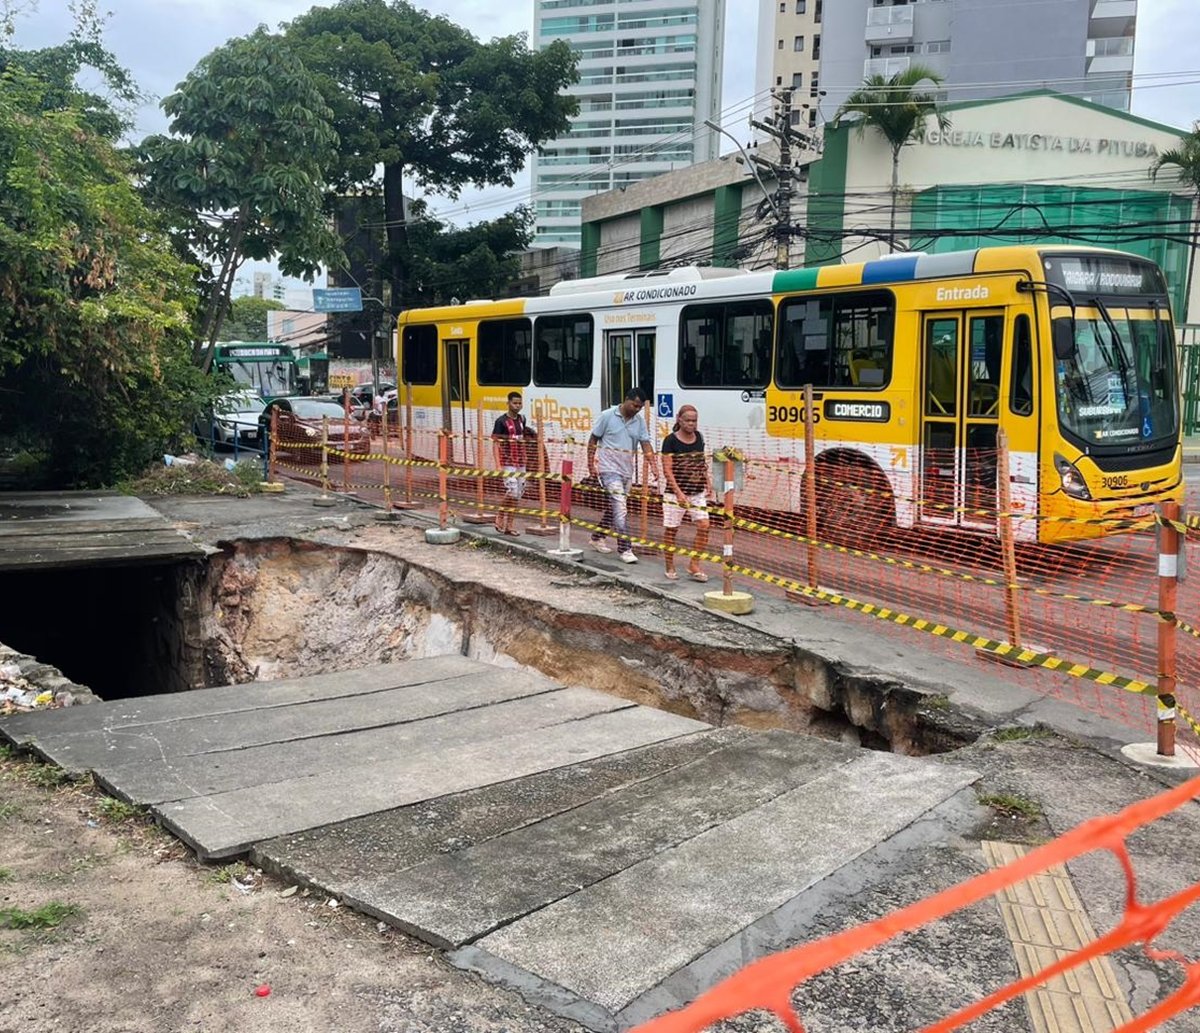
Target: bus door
962, 357
628, 362
456, 390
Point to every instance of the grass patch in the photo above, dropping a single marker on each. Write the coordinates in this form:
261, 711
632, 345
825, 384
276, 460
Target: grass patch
936, 702
1012, 805
48, 916
48, 776
1019, 734
203, 477
8, 811
6, 875
228, 872
7, 753
114, 810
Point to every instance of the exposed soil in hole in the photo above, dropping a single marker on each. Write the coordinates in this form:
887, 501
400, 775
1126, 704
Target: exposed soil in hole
283, 608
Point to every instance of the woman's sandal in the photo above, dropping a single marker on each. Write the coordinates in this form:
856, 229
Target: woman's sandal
670, 575
697, 575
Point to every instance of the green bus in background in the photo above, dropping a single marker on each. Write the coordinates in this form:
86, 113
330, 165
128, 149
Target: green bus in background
271, 370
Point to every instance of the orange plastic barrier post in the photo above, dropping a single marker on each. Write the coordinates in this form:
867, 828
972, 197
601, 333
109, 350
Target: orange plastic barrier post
1012, 607
408, 445
810, 487
727, 587
345, 439
443, 460
543, 528
273, 444
387, 464
324, 455
647, 470
480, 514
1168, 585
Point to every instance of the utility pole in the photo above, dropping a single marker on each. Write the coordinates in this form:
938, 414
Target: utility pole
780, 128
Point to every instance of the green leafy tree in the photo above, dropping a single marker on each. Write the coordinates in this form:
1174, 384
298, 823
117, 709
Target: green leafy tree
247, 320
1184, 160
429, 104
59, 69
898, 109
95, 343
241, 174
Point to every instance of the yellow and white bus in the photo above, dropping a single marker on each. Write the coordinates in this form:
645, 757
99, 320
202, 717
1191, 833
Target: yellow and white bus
916, 360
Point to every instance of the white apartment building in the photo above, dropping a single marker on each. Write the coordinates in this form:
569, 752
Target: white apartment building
981, 48
649, 75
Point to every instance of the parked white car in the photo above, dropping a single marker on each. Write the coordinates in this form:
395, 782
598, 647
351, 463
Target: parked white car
235, 418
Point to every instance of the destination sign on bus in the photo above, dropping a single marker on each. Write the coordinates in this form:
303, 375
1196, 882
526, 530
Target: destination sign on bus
1090, 275
252, 353
867, 412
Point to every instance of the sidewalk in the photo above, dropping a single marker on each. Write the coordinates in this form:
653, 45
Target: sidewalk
1191, 448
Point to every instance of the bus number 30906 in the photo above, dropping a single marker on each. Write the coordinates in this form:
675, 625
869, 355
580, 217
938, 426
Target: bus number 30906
789, 414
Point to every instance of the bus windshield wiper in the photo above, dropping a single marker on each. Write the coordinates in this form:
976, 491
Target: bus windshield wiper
1118, 345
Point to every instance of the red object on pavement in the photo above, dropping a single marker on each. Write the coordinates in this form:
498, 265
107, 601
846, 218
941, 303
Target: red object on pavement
262, 991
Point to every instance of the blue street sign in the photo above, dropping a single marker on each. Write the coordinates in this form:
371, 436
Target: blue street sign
337, 299
666, 406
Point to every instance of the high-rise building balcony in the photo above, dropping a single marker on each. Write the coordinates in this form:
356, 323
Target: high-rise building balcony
885, 66
889, 25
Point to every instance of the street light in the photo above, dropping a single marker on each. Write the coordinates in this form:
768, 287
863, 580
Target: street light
746, 160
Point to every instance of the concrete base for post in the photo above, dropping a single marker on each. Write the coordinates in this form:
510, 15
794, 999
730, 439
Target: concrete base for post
271, 487
442, 535
387, 516
478, 518
736, 602
542, 532
1186, 757
325, 500
565, 554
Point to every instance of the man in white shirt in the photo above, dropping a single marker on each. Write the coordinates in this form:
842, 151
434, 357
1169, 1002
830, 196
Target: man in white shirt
612, 455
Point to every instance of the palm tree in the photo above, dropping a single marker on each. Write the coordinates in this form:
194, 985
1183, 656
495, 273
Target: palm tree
898, 108
1186, 161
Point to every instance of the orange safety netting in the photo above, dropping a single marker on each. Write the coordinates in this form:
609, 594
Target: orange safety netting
768, 984
1077, 617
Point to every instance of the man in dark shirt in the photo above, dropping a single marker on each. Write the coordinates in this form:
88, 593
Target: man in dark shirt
509, 437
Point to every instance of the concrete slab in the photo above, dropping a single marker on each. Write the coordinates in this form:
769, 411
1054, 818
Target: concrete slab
190, 737
40, 530
611, 942
459, 897
334, 856
226, 824
418, 743
40, 729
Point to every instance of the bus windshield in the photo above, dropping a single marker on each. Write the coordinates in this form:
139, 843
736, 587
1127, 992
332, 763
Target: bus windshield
270, 370
1119, 385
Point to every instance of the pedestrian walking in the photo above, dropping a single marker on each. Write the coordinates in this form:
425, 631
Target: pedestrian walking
611, 455
511, 435
687, 486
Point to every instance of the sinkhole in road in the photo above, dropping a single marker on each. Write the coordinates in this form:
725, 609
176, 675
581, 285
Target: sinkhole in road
279, 608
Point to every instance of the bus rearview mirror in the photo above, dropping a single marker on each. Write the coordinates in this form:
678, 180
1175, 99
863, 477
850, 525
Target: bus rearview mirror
1064, 339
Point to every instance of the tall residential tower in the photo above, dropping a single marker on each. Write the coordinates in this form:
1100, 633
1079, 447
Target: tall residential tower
982, 48
649, 75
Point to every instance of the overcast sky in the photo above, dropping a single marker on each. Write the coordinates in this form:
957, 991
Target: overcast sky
161, 40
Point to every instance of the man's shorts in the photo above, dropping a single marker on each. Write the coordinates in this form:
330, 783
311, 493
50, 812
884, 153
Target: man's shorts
673, 512
514, 482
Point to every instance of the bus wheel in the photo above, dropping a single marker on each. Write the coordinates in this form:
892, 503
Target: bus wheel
855, 503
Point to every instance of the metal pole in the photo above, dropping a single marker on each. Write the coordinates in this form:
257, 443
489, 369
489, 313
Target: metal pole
783, 185
810, 487
1012, 606
1168, 584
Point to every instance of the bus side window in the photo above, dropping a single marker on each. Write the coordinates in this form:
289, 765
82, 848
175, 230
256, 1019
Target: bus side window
1020, 391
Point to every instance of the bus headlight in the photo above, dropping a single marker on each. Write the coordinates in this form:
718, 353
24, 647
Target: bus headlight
1073, 483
